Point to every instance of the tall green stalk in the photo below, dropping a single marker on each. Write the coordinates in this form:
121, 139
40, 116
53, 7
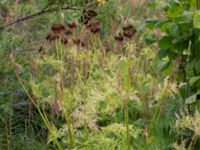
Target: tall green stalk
61, 99
127, 98
46, 121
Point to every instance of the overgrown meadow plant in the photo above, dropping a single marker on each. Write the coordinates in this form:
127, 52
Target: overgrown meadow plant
86, 97
98, 91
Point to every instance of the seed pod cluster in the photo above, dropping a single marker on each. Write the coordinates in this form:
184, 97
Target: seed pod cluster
64, 40
68, 32
57, 28
128, 32
72, 25
52, 37
94, 26
79, 42
60, 32
87, 16
119, 37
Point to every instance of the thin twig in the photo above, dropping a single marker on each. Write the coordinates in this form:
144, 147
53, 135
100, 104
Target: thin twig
37, 14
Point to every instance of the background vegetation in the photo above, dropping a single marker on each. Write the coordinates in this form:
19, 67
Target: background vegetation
99, 75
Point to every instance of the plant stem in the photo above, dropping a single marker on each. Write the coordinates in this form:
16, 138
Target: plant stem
46, 121
198, 4
127, 99
192, 142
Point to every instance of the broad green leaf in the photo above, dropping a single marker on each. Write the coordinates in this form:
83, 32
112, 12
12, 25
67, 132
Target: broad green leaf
196, 20
163, 65
194, 80
163, 53
166, 42
151, 23
174, 10
192, 99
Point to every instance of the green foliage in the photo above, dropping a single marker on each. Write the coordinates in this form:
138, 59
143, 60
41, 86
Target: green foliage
104, 93
179, 41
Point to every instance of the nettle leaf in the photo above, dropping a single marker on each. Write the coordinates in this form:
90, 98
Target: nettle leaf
151, 23
194, 80
150, 38
192, 99
184, 17
173, 30
166, 42
174, 10
163, 65
164, 25
181, 45
196, 19
163, 52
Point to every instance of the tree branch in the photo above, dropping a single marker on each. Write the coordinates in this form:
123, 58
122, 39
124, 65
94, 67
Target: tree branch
37, 14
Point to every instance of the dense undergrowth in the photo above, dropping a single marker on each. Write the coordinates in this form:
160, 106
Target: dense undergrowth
99, 75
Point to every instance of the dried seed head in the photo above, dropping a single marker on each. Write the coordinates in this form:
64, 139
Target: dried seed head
77, 41
52, 37
89, 13
87, 16
68, 32
56, 28
83, 44
94, 26
49, 36
84, 20
56, 37
41, 49
119, 37
129, 31
72, 25
64, 41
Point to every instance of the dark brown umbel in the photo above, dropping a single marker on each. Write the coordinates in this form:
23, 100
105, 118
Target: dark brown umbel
119, 37
72, 25
49, 37
89, 13
57, 28
68, 32
129, 31
94, 26
79, 42
64, 41
52, 37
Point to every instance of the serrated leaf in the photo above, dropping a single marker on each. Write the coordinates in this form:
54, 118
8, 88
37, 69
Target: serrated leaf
163, 65
163, 53
194, 80
192, 99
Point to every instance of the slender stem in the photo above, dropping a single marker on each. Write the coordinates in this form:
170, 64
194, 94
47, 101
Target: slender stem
198, 4
187, 89
127, 100
192, 142
62, 96
46, 121
7, 135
